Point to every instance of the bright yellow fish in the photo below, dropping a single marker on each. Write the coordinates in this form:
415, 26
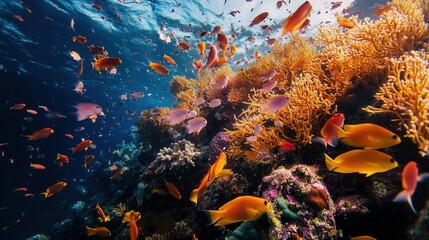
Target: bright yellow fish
368, 136
366, 161
240, 209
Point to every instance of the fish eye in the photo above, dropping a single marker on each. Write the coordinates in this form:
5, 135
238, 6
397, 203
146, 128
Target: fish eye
265, 202
394, 137
392, 160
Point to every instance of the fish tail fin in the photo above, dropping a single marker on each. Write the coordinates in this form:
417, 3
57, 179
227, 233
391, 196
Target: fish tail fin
107, 219
194, 196
320, 140
89, 231
73, 149
341, 133
58, 156
404, 196
423, 177
213, 216
29, 137
46, 194
330, 163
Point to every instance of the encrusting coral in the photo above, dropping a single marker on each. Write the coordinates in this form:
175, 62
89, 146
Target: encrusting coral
406, 95
179, 154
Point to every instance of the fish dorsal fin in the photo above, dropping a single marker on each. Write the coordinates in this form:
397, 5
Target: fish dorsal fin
349, 128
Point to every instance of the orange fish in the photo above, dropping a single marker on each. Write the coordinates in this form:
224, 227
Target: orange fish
158, 68
132, 217
113, 168
296, 19
106, 64
258, 19
215, 171
382, 9
173, 190
329, 132
18, 106
223, 41
88, 160
201, 48
54, 189
256, 54
98, 231
43, 133
169, 59
233, 50
31, 111
344, 22
79, 39
21, 189
183, 45
103, 217
96, 6
62, 159
118, 173
37, 166
198, 65
84, 145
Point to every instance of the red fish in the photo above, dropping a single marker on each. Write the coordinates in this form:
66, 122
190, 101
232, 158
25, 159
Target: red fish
37, 166
19, 18
96, 6
258, 19
79, 39
287, 146
84, 145
21, 189
173, 190
80, 70
329, 132
62, 159
43, 133
18, 106
410, 178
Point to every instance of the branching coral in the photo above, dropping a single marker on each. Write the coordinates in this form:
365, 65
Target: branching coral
179, 154
120, 209
362, 50
287, 60
406, 94
310, 99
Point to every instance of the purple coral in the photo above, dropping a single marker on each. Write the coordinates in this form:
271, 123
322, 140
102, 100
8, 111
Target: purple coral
298, 184
218, 143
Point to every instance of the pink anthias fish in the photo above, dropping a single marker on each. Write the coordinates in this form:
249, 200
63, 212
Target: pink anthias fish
72, 24
268, 86
124, 97
113, 71
410, 178
78, 87
195, 125
164, 38
221, 84
199, 101
137, 94
276, 103
75, 56
87, 110
212, 58
329, 132
177, 115
268, 76
214, 103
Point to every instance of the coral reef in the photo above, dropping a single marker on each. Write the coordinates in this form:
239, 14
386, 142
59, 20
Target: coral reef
295, 185
406, 95
353, 204
220, 141
421, 229
178, 155
246, 231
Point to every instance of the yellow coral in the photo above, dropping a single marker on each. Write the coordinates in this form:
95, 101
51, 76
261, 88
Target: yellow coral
406, 94
310, 100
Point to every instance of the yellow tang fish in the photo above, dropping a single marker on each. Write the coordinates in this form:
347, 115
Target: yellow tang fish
364, 161
368, 136
240, 209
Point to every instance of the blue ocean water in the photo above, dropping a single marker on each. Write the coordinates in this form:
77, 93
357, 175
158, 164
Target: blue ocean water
36, 69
